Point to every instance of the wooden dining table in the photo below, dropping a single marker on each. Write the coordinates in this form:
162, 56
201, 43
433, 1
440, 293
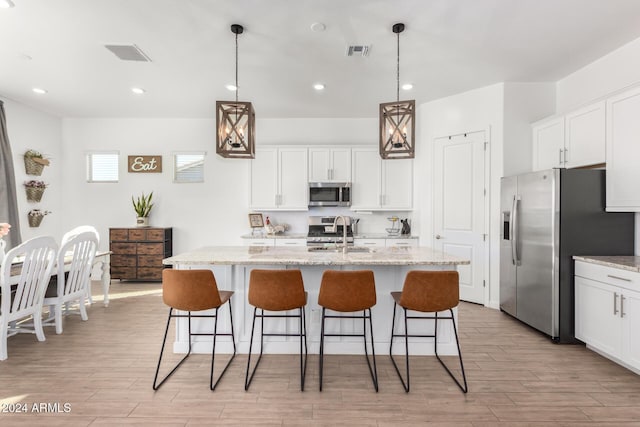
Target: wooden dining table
102, 258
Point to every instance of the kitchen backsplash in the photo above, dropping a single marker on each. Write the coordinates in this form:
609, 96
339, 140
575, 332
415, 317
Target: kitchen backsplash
374, 222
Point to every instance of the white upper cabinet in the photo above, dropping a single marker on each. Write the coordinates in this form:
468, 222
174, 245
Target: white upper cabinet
329, 164
279, 179
548, 144
623, 152
585, 136
574, 140
380, 184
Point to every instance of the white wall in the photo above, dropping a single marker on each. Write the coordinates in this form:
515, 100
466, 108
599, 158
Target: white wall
524, 103
476, 110
615, 71
32, 129
607, 75
209, 213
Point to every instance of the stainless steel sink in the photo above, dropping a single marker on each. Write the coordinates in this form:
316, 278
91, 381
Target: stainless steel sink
350, 249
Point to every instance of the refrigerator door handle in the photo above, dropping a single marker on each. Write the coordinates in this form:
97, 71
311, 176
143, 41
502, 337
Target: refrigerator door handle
513, 231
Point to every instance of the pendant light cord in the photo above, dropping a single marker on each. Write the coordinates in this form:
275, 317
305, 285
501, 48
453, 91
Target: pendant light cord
398, 71
237, 88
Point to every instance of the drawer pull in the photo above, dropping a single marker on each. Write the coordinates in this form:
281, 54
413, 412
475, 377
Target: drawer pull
615, 303
619, 278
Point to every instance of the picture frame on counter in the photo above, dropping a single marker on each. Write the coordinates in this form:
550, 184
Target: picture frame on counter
256, 220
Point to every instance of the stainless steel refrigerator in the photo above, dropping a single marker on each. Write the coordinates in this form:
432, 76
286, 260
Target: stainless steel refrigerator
546, 218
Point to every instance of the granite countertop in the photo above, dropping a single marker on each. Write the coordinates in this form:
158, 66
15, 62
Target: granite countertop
382, 236
273, 255
629, 263
274, 236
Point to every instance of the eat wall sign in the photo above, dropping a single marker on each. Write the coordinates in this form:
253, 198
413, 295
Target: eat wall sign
145, 164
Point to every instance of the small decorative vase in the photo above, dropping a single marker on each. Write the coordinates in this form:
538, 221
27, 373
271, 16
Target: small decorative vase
142, 221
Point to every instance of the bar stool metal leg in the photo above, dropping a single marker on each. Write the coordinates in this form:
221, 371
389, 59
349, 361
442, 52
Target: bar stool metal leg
213, 386
247, 379
464, 377
406, 384
157, 385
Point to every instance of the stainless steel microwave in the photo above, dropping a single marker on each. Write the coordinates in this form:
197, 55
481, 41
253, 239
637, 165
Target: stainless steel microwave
329, 194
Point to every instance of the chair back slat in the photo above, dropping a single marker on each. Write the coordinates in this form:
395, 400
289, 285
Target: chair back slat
82, 248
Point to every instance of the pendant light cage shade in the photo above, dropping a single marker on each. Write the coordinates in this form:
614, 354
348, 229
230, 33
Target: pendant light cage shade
236, 124
397, 130
397, 119
235, 121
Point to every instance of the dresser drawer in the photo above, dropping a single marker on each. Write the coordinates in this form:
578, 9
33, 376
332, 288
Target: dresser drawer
137, 234
155, 235
121, 234
123, 248
150, 261
149, 273
150, 248
123, 272
123, 260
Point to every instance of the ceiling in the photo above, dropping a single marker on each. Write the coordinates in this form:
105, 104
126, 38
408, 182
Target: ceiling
449, 46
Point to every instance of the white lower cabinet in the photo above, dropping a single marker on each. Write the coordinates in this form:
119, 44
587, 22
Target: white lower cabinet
291, 242
371, 243
259, 242
607, 310
402, 243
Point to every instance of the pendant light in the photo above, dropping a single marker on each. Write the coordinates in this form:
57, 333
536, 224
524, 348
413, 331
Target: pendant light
397, 119
235, 137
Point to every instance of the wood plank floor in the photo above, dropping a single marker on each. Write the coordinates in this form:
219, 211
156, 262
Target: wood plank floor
104, 369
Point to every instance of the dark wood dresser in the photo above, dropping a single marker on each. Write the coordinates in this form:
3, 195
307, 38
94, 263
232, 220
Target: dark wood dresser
137, 253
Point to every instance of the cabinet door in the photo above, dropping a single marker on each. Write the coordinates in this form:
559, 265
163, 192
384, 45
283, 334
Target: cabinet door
372, 243
585, 136
293, 173
291, 242
340, 164
319, 164
264, 179
623, 152
366, 175
630, 312
259, 242
402, 243
598, 321
397, 184
548, 144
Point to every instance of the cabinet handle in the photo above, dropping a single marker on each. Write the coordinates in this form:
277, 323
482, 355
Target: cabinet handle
615, 303
566, 156
331, 173
619, 278
560, 158
401, 244
621, 306
370, 243
328, 173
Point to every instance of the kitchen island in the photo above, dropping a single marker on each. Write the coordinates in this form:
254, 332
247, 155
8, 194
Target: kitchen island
232, 266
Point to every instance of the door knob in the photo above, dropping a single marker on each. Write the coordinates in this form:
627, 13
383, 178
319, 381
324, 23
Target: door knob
438, 236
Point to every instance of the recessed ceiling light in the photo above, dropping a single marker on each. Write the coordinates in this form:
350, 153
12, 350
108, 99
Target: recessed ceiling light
232, 88
407, 86
318, 27
138, 90
318, 86
39, 91
6, 4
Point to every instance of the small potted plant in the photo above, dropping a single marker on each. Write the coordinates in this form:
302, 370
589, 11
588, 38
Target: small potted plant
35, 217
35, 189
34, 162
142, 205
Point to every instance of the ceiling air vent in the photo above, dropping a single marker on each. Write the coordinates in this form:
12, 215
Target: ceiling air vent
358, 50
129, 52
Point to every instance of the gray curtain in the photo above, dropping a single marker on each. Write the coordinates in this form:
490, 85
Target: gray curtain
8, 197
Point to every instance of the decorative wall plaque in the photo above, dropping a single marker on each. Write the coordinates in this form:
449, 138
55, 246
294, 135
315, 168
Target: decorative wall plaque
144, 164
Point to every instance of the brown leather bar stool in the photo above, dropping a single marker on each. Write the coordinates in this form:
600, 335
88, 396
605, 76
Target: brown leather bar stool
348, 292
277, 290
427, 292
194, 290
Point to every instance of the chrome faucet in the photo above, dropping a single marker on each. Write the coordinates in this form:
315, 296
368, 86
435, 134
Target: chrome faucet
344, 231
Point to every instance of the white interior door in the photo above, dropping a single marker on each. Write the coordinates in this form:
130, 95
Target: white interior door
459, 207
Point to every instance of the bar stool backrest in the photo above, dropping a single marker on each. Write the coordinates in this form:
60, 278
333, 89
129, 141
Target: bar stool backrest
190, 290
347, 291
430, 291
276, 290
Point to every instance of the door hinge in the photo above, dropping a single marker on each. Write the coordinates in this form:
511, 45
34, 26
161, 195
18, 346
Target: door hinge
484, 284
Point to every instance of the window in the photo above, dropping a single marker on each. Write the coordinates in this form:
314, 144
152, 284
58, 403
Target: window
102, 166
188, 167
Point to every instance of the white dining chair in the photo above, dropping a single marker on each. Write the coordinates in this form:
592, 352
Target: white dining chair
74, 232
3, 246
73, 285
22, 290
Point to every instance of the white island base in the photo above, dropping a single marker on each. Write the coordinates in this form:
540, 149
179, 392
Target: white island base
389, 276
